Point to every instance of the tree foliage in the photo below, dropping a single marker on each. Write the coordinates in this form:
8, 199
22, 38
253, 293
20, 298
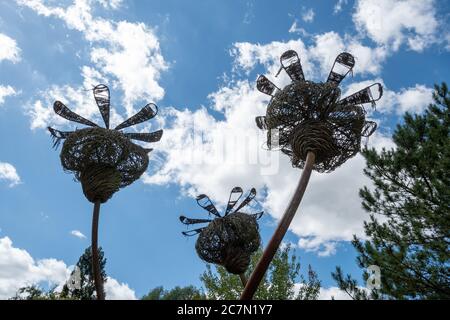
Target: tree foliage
87, 285
86, 290
280, 282
177, 293
409, 226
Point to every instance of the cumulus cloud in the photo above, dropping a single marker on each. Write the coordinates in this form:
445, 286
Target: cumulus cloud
115, 290
333, 293
6, 91
18, 269
339, 6
308, 15
317, 59
126, 55
78, 234
9, 174
330, 293
393, 23
9, 49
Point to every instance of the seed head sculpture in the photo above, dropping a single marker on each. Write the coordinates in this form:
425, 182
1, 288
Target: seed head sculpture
103, 159
313, 126
227, 240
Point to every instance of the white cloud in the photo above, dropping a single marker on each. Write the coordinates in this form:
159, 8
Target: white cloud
125, 55
393, 23
414, 99
317, 59
333, 293
118, 291
9, 49
113, 4
328, 45
327, 293
339, 5
308, 15
78, 234
9, 174
19, 269
296, 29
6, 91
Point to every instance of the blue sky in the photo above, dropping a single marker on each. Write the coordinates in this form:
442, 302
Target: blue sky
198, 61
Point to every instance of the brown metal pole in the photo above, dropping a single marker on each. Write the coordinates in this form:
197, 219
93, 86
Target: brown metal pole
275, 241
95, 257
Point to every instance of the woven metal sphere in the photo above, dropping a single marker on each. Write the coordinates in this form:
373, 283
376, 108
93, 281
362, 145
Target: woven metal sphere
306, 116
103, 161
229, 241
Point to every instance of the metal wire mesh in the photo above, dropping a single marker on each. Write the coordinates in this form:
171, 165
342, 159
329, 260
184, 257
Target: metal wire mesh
311, 116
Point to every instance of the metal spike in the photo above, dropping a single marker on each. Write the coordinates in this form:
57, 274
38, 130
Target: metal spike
342, 66
102, 98
235, 195
146, 137
266, 86
64, 112
292, 65
57, 136
145, 114
206, 203
261, 122
250, 197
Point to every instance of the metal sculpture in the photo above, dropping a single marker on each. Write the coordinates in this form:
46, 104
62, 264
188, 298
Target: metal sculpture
103, 160
227, 240
315, 127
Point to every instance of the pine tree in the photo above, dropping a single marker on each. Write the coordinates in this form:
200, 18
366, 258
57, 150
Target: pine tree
409, 228
87, 286
86, 289
279, 283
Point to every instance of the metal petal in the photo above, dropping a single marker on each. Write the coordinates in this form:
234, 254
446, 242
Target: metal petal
64, 112
261, 122
292, 65
102, 98
146, 137
145, 114
342, 66
206, 203
188, 221
266, 86
250, 197
235, 195
369, 94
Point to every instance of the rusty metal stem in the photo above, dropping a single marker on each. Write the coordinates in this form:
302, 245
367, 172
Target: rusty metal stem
275, 241
95, 256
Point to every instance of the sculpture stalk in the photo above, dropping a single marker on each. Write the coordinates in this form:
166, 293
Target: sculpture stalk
283, 226
95, 256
